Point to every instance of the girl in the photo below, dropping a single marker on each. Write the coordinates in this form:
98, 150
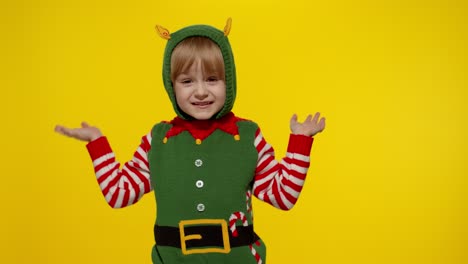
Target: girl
206, 163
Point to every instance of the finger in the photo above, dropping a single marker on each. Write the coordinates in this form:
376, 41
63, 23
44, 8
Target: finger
293, 119
68, 132
62, 130
84, 124
57, 128
307, 120
316, 117
322, 124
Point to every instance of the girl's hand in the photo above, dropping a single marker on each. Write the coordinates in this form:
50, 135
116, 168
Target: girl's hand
310, 127
85, 133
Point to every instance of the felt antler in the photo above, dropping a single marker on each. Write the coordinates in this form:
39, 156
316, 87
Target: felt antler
163, 32
227, 28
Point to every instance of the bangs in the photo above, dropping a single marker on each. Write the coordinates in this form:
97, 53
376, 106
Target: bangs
188, 51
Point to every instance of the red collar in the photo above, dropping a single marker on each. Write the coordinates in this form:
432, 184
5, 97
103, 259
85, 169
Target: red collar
201, 129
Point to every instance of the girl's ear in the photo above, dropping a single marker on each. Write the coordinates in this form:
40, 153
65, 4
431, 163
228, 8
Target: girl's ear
227, 28
163, 32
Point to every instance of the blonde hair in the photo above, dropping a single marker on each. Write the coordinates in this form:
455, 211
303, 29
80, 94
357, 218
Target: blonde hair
190, 50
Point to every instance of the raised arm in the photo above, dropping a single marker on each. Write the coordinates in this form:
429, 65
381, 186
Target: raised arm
280, 183
126, 186
121, 187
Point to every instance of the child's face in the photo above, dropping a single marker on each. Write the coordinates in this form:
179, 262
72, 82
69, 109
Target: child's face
199, 94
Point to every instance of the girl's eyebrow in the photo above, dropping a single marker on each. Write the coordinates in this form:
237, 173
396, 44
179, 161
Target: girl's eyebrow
184, 74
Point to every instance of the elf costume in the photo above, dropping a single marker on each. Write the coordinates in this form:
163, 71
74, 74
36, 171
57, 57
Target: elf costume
203, 173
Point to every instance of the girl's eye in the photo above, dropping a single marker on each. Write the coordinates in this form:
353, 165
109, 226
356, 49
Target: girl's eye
186, 81
212, 79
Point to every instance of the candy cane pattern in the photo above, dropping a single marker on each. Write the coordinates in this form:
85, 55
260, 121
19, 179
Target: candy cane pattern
233, 219
232, 226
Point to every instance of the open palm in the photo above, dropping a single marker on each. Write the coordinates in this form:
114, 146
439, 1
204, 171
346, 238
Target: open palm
310, 127
85, 132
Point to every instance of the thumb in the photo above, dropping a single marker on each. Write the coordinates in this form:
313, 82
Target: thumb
84, 125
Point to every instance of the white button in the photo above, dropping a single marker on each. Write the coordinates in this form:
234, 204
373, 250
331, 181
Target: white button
198, 162
199, 183
201, 207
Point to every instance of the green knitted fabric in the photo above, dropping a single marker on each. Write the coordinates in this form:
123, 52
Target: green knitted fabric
222, 41
226, 170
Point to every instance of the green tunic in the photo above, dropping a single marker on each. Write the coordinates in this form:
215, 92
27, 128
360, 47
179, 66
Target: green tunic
206, 181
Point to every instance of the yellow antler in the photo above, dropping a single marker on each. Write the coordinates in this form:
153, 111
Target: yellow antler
227, 28
163, 33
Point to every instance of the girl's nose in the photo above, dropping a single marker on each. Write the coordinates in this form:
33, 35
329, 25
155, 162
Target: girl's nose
201, 92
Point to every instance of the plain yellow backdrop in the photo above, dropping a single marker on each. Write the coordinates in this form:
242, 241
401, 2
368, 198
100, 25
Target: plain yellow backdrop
387, 182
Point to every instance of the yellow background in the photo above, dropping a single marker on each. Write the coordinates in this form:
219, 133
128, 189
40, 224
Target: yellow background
387, 182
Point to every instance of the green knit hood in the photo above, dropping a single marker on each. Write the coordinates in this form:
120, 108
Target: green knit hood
217, 36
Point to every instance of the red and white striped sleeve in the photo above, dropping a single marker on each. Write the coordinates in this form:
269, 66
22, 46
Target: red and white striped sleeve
121, 187
280, 183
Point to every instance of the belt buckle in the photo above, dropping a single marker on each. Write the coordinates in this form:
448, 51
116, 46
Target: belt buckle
183, 238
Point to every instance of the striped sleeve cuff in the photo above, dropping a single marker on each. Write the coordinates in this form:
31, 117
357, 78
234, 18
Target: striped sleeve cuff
300, 144
98, 148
